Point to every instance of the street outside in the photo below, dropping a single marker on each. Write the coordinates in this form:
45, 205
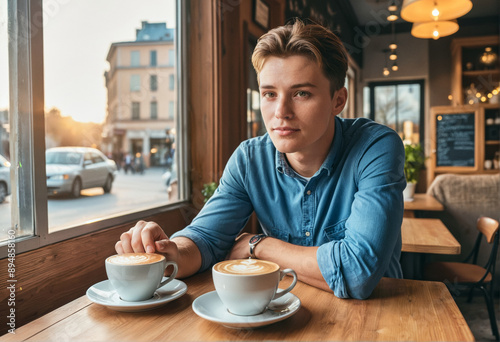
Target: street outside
130, 192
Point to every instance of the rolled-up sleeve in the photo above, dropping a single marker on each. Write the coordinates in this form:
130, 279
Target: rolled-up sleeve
353, 265
216, 227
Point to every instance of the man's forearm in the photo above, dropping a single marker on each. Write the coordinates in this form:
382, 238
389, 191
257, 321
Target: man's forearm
189, 257
301, 259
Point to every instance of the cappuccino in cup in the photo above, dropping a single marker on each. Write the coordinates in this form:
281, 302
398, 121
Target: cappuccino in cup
247, 286
135, 258
136, 276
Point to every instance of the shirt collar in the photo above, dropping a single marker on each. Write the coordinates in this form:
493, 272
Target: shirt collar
331, 160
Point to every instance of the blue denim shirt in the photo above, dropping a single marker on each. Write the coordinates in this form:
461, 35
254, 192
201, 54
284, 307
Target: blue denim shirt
352, 208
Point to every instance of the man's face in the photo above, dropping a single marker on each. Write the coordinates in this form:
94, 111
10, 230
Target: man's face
297, 108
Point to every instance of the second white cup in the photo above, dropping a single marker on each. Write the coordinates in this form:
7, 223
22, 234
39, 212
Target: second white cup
247, 286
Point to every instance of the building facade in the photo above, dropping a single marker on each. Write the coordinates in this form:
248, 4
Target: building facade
142, 96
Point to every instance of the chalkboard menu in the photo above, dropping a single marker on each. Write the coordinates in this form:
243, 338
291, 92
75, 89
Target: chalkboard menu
455, 139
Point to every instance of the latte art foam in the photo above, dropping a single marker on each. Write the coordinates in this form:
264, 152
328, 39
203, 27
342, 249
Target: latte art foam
135, 258
246, 266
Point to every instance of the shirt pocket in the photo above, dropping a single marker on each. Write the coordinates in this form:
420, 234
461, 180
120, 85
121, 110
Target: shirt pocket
335, 232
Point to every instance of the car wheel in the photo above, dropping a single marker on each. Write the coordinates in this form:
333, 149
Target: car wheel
109, 183
3, 192
76, 188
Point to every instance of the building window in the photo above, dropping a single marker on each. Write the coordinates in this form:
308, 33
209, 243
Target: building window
152, 58
135, 58
135, 82
171, 58
154, 110
399, 105
153, 82
171, 82
171, 108
136, 110
35, 54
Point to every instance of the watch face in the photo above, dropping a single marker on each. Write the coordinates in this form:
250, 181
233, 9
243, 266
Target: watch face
255, 238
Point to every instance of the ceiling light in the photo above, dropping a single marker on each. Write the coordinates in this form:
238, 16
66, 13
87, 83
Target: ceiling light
395, 66
393, 46
392, 17
386, 72
393, 56
434, 10
434, 29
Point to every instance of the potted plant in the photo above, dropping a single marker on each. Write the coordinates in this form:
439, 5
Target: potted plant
208, 190
414, 163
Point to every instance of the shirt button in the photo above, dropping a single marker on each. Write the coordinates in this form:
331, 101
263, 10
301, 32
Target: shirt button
308, 192
308, 233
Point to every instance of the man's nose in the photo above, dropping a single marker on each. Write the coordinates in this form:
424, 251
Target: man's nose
283, 109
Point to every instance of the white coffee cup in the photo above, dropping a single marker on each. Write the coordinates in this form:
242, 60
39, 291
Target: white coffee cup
136, 276
488, 164
247, 286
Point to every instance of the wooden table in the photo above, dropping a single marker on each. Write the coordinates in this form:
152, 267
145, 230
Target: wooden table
421, 202
398, 310
420, 235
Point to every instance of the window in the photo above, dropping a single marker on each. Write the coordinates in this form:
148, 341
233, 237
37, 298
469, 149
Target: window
152, 58
89, 113
154, 110
399, 105
171, 58
171, 82
136, 110
171, 108
135, 58
153, 82
135, 82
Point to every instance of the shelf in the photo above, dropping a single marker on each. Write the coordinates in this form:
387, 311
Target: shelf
492, 142
474, 73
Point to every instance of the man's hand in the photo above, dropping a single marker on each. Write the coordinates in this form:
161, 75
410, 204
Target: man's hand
241, 248
147, 237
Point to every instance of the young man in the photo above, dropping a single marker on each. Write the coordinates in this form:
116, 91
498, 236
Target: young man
327, 191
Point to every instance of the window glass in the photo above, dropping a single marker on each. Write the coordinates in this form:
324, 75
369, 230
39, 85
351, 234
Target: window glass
5, 178
152, 58
136, 110
135, 58
399, 107
153, 82
154, 110
135, 82
90, 85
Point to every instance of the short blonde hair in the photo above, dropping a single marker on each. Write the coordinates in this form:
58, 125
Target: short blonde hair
313, 41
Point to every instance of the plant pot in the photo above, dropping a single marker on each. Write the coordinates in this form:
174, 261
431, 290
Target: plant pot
409, 191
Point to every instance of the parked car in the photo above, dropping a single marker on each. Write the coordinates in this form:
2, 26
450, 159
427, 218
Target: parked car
71, 169
4, 178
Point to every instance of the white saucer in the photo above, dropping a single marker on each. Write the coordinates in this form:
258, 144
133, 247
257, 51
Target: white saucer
104, 294
210, 307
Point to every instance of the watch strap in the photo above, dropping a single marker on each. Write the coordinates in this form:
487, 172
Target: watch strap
254, 241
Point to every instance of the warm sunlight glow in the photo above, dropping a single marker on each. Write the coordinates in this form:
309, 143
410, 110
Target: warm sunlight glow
77, 38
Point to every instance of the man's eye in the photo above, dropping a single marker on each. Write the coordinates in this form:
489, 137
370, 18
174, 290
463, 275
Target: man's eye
301, 93
268, 95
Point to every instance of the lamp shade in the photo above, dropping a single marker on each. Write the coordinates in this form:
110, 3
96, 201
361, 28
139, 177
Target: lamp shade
428, 10
434, 29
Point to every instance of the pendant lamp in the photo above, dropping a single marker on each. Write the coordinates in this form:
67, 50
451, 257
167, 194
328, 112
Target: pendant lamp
434, 29
434, 10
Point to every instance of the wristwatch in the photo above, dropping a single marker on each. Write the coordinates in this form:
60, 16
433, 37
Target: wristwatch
253, 242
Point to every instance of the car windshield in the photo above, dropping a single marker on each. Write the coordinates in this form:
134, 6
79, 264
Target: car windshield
62, 157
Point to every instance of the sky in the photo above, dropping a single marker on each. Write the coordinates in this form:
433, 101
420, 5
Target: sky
77, 37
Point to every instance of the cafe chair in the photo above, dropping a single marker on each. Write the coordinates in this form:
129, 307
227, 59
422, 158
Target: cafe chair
468, 273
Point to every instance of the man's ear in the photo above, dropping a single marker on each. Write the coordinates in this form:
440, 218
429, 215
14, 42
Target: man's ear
339, 101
